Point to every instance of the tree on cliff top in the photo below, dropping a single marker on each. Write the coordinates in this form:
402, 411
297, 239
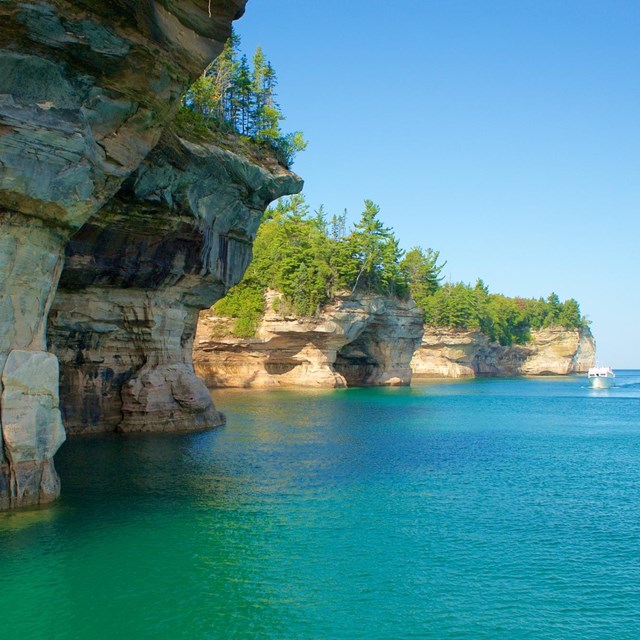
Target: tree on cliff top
502, 319
368, 259
423, 273
308, 260
233, 96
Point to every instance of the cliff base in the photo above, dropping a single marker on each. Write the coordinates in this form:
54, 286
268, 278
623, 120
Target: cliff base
357, 340
455, 353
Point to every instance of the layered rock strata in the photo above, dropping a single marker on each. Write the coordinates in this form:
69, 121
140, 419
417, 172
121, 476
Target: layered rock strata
174, 238
452, 353
86, 89
357, 340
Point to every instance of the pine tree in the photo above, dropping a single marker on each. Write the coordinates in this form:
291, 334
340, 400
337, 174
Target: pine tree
258, 97
392, 279
422, 271
265, 111
235, 96
338, 226
570, 314
553, 310
367, 241
220, 78
243, 97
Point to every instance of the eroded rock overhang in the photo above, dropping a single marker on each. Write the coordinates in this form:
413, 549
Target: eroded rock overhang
172, 241
359, 339
86, 90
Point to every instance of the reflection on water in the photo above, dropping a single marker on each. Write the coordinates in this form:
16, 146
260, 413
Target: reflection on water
23, 519
476, 509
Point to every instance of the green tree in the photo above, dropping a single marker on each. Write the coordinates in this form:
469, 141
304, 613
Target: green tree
266, 112
338, 226
422, 272
243, 97
507, 321
296, 254
452, 305
233, 95
212, 94
288, 146
392, 279
223, 74
366, 245
503, 319
553, 309
569, 316
536, 312
308, 260
244, 303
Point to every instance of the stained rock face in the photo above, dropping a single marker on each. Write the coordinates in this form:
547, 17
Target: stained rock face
357, 340
31, 428
86, 89
171, 242
451, 353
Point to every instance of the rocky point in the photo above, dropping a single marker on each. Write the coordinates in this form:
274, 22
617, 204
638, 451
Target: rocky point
356, 340
456, 353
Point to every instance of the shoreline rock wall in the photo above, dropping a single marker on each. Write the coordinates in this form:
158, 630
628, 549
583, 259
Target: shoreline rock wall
171, 242
86, 91
372, 341
358, 340
455, 353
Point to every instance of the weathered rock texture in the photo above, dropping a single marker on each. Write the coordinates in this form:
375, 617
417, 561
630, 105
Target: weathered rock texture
31, 428
452, 353
86, 89
357, 340
172, 240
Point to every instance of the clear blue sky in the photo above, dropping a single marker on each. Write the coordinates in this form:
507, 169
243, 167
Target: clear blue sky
505, 134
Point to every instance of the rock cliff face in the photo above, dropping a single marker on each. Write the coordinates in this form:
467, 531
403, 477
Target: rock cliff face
358, 340
170, 242
451, 353
86, 90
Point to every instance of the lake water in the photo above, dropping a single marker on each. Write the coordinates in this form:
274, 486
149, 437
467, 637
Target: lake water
494, 508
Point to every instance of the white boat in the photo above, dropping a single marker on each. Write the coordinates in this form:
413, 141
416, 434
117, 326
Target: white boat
601, 377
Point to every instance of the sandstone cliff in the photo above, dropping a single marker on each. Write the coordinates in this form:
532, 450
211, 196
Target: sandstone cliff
86, 90
175, 237
452, 353
357, 340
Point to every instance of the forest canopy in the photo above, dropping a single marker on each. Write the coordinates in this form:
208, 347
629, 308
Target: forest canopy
503, 319
308, 258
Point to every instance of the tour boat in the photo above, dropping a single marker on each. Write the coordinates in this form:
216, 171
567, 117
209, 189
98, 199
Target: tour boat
601, 377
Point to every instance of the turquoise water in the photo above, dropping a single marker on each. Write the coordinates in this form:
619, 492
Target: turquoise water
498, 508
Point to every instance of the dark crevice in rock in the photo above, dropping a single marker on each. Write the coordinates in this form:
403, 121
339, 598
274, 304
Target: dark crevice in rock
354, 362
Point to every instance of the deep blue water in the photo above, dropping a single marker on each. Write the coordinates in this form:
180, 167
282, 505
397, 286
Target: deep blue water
494, 508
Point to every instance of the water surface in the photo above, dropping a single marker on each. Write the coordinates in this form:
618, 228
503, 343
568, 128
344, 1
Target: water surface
495, 508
